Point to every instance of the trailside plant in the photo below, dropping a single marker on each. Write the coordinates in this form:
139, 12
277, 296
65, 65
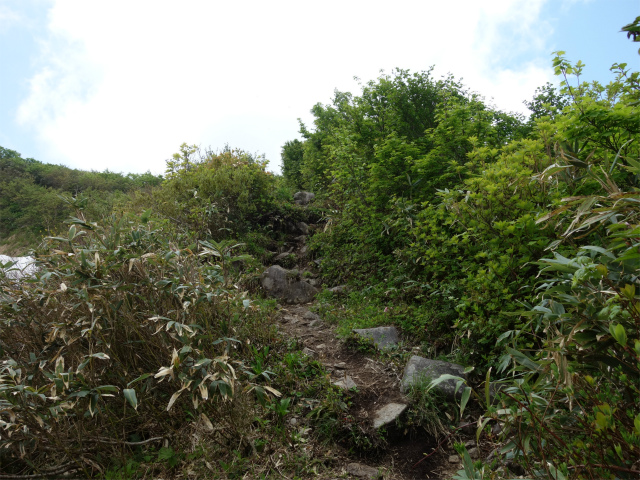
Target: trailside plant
124, 340
572, 408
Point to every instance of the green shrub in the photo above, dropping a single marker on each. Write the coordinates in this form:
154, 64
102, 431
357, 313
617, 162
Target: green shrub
123, 339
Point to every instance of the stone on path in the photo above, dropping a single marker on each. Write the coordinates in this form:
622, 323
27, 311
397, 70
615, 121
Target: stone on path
419, 368
388, 414
303, 227
280, 283
382, 336
282, 256
303, 198
346, 383
363, 471
310, 316
309, 353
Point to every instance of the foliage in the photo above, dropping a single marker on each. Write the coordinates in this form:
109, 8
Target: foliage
633, 30
547, 102
576, 401
123, 337
224, 195
31, 202
292, 157
572, 409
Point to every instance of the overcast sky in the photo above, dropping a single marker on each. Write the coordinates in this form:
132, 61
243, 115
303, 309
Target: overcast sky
119, 85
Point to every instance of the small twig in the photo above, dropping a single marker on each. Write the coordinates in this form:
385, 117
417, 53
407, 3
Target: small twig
117, 442
53, 471
438, 446
275, 465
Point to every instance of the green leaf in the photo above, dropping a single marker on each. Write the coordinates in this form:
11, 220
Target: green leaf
618, 332
130, 395
465, 398
141, 377
522, 359
443, 378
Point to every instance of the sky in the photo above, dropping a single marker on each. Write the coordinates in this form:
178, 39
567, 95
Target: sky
120, 85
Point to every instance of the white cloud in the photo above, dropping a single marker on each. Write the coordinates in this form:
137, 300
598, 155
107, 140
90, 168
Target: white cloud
122, 86
8, 17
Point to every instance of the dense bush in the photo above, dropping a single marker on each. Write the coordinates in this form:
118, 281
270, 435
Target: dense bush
125, 338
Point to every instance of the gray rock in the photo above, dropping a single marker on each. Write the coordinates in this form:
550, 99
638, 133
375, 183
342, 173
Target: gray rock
346, 383
282, 256
454, 459
309, 353
310, 316
363, 471
315, 323
301, 239
339, 290
419, 368
303, 227
303, 198
388, 414
300, 292
280, 283
474, 453
382, 336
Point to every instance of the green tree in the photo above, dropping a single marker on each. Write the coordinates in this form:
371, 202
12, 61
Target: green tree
292, 157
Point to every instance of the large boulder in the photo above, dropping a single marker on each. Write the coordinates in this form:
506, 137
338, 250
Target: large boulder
303, 198
419, 368
285, 285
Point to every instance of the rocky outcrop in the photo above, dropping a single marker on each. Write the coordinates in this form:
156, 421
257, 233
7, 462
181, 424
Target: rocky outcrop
285, 285
303, 198
419, 368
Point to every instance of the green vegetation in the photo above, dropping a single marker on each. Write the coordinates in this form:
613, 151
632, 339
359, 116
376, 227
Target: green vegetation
31, 196
506, 244
464, 225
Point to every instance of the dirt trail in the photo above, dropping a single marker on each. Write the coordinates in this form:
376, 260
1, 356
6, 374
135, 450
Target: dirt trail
378, 384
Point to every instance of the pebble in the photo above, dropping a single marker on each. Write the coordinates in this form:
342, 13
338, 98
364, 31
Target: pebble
363, 471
